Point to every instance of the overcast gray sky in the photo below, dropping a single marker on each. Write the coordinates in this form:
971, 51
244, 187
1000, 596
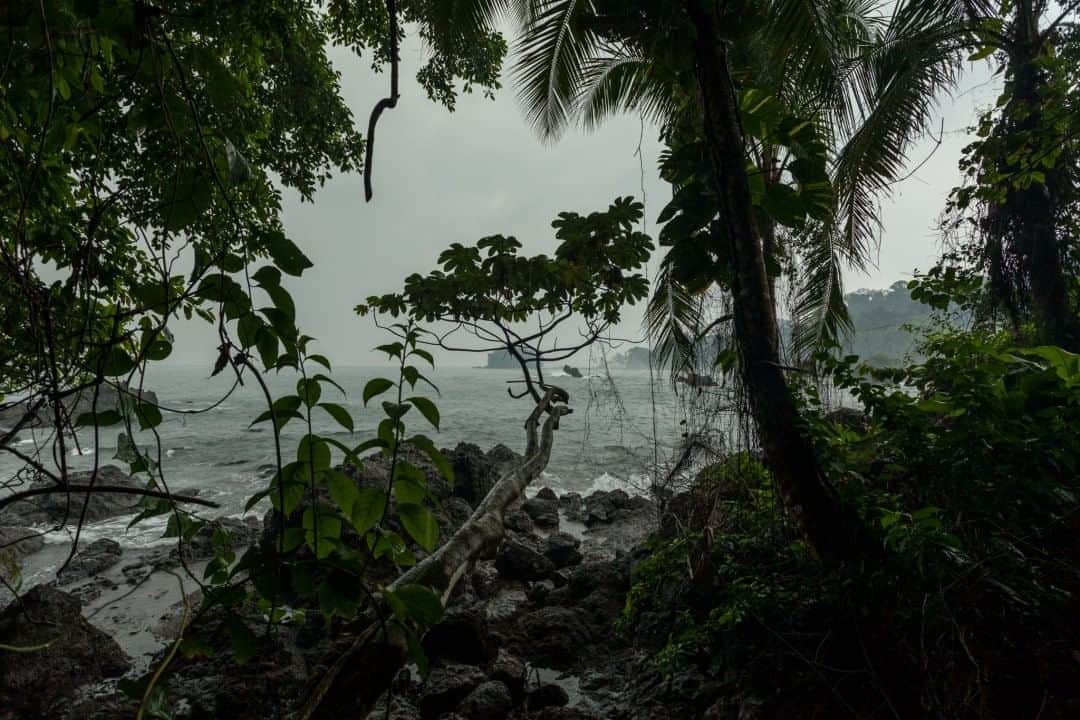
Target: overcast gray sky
445, 177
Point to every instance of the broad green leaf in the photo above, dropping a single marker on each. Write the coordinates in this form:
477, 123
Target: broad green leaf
309, 391
343, 491
367, 509
103, 418
420, 523
375, 387
287, 256
421, 603
149, 415
340, 414
314, 450
427, 408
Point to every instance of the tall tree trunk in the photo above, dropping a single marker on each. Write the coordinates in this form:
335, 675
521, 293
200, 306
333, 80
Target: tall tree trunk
1029, 215
789, 454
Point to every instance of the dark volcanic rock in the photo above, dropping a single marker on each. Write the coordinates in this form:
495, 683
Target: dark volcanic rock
562, 549
474, 472
603, 506
549, 695
519, 559
446, 686
490, 700
546, 493
519, 521
485, 579
555, 637
572, 505
501, 457
55, 508
457, 512
33, 684
462, 636
544, 512
241, 533
510, 671
91, 559
20, 542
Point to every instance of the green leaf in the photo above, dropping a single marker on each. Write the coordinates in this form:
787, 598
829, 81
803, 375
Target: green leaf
149, 415
286, 254
439, 460
367, 509
420, 524
314, 450
343, 491
421, 603
427, 409
340, 414
309, 391
243, 640
393, 350
424, 354
376, 386
118, 362
103, 418
407, 491
395, 411
321, 359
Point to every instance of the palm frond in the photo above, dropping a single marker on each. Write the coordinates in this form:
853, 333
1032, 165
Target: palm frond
622, 81
820, 315
552, 56
674, 319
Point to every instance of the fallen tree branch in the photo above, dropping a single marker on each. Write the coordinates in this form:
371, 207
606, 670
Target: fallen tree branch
352, 684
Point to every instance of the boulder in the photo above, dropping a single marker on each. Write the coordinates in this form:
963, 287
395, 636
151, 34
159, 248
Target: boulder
485, 579
456, 512
519, 521
54, 508
445, 687
509, 670
572, 505
562, 549
544, 512
241, 533
546, 493
20, 542
555, 637
547, 695
34, 684
519, 559
474, 473
603, 506
502, 457
461, 636
490, 700
91, 560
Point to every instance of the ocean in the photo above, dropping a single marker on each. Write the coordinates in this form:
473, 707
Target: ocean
209, 444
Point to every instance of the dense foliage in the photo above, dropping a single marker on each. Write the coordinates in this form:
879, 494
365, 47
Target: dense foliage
966, 468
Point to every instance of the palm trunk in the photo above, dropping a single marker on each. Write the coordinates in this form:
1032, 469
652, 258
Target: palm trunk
789, 454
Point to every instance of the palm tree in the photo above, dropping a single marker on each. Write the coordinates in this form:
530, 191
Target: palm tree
866, 82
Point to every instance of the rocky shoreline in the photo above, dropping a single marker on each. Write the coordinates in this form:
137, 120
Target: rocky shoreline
528, 633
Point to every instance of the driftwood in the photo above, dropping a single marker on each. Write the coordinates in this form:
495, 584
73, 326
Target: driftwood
364, 669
